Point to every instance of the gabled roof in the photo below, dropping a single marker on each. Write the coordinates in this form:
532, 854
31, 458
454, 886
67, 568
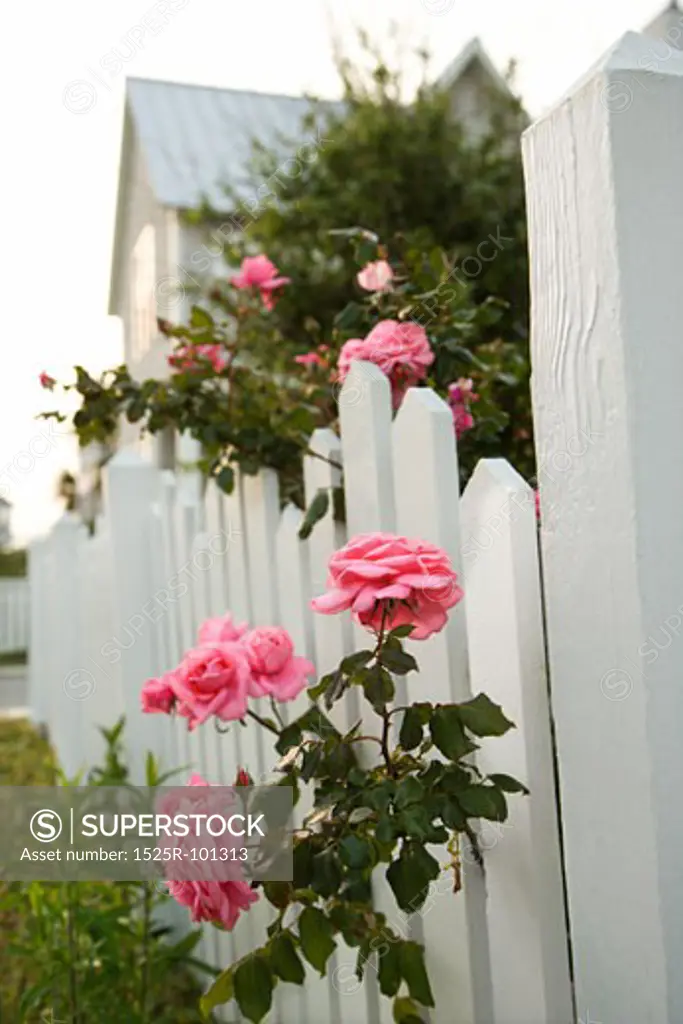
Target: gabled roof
196, 138
472, 53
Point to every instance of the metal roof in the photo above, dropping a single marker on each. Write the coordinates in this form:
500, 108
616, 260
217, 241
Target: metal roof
196, 138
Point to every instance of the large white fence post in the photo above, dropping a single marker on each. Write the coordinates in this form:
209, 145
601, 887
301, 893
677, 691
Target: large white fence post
605, 195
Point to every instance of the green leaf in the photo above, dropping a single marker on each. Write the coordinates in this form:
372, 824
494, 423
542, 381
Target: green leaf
405, 1011
225, 479
508, 784
409, 791
416, 822
220, 992
414, 972
410, 874
397, 661
410, 735
378, 687
483, 802
290, 736
316, 937
253, 987
355, 661
384, 832
389, 969
284, 959
327, 874
315, 512
356, 852
402, 631
200, 317
448, 733
316, 722
278, 893
302, 863
484, 718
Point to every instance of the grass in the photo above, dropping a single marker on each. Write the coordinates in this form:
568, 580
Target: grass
13, 658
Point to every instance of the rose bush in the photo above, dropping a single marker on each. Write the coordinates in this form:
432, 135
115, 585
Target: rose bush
380, 798
237, 388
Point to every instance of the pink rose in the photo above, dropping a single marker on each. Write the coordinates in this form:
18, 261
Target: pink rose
46, 381
401, 351
310, 359
259, 272
376, 277
221, 629
212, 680
186, 357
460, 394
386, 578
275, 669
157, 695
219, 902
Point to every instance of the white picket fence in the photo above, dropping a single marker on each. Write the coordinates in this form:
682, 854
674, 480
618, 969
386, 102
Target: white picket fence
14, 615
604, 173
115, 608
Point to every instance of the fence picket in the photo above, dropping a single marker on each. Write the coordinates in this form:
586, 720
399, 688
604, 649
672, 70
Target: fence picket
522, 856
427, 500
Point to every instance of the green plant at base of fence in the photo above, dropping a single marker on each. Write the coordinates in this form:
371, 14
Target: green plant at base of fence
89, 952
420, 788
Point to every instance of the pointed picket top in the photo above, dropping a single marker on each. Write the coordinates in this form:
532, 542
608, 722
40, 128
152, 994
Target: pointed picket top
426, 470
294, 579
326, 444
496, 475
365, 417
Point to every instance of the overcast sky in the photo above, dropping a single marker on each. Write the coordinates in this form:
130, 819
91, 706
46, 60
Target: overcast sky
60, 165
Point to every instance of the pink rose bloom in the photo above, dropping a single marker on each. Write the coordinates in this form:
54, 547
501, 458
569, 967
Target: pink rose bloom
460, 394
376, 277
401, 351
259, 272
212, 680
221, 629
310, 359
157, 695
275, 669
383, 577
219, 902
185, 358
46, 381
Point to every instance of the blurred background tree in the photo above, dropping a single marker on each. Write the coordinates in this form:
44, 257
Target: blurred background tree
421, 180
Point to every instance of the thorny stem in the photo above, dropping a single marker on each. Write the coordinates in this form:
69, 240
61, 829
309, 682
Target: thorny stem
324, 458
386, 714
263, 722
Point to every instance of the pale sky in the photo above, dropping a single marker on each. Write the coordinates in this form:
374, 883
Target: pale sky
60, 165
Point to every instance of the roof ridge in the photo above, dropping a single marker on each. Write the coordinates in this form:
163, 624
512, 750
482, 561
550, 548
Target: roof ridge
224, 88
